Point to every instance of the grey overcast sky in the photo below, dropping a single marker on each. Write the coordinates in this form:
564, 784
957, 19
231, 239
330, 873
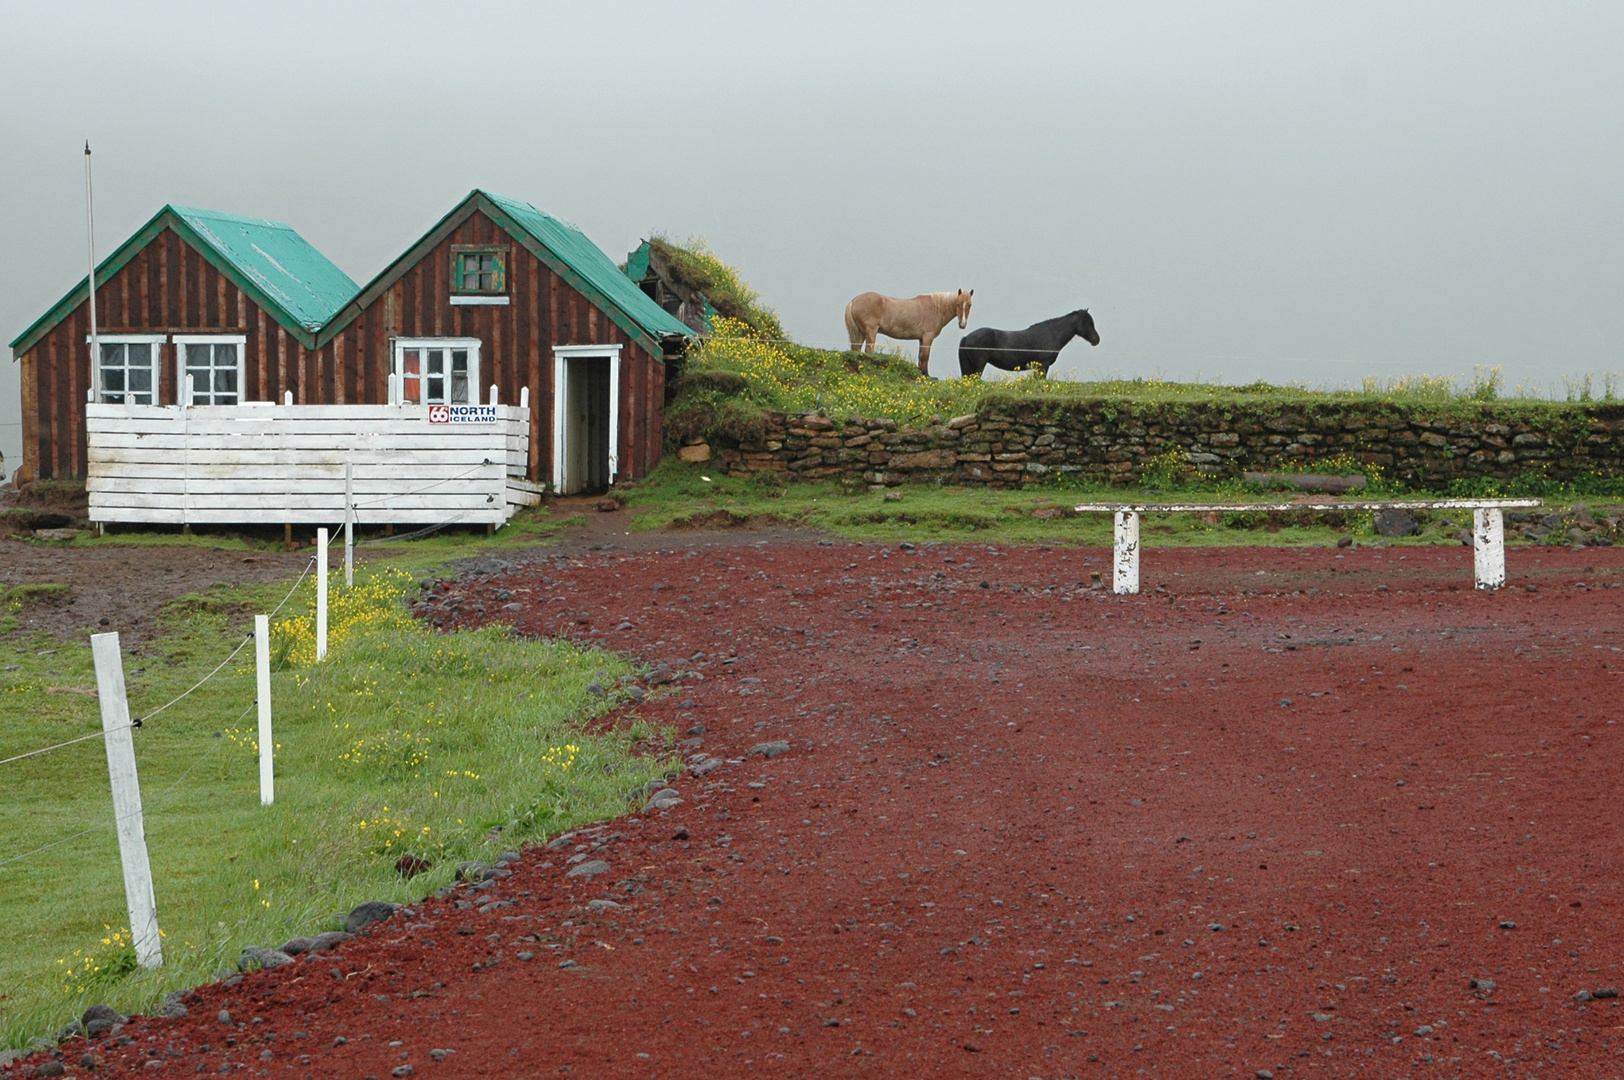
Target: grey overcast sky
1311, 192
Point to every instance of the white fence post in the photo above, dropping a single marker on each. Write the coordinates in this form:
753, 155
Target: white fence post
287, 398
262, 670
132, 836
1489, 547
321, 594
1125, 563
349, 525
493, 394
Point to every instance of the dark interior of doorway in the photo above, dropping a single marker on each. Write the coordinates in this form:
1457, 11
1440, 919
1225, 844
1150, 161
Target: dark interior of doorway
588, 438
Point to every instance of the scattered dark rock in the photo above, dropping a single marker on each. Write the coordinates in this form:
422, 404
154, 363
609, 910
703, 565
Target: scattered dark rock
664, 799
1396, 523
364, 915
1485, 985
296, 945
409, 866
255, 958
50, 1068
1341, 542
329, 939
589, 869
1605, 993
473, 871
224, 1017
600, 906
771, 749
98, 1020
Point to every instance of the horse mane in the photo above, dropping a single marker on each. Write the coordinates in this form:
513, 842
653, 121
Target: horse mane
1057, 319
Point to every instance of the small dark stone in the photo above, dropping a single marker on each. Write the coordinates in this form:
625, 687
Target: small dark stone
409, 866
224, 1017
50, 1068
1485, 985
402, 1070
589, 870
1583, 995
1505, 924
1344, 541
680, 834
1605, 993
771, 749
1396, 523
329, 939
364, 915
472, 871
255, 957
98, 1020
296, 945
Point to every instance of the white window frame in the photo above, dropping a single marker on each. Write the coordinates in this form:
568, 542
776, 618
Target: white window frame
398, 358
155, 340
562, 354
183, 340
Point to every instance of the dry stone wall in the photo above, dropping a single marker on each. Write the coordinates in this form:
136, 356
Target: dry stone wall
1116, 441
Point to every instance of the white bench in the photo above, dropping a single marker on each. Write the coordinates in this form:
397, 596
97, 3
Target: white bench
1488, 528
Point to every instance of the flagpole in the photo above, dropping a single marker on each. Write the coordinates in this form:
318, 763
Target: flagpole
90, 235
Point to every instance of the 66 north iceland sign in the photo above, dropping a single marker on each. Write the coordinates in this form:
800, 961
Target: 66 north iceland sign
462, 414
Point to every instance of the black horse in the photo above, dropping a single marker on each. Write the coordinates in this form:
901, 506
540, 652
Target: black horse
1018, 350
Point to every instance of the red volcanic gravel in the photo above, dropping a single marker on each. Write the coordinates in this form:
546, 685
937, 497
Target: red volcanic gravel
1273, 816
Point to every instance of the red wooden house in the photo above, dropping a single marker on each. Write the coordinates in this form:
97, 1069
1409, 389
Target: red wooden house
501, 294
498, 294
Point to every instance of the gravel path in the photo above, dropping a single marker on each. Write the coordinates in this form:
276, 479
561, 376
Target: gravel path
1271, 817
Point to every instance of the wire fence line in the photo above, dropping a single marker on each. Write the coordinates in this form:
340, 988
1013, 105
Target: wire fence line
140, 721
158, 799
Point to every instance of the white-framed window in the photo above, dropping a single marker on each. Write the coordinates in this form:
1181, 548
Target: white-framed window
127, 369
437, 371
214, 361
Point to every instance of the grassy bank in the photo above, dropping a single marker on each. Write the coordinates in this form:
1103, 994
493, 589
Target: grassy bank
681, 496
404, 742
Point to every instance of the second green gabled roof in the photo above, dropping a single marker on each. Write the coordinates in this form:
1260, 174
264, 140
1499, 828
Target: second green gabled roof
559, 245
278, 269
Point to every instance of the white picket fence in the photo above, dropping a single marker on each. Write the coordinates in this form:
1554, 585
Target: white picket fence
264, 463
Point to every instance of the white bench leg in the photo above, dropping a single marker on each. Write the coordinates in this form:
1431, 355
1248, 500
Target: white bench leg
1125, 564
1489, 547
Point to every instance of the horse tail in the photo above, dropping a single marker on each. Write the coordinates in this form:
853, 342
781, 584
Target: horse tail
854, 333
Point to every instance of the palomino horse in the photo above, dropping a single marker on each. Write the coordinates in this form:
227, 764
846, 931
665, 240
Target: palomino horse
919, 319
1016, 350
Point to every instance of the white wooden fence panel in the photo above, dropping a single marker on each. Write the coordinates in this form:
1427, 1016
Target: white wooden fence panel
265, 464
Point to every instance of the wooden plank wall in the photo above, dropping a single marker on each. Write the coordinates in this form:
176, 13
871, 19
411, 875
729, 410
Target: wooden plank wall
269, 465
516, 343
168, 288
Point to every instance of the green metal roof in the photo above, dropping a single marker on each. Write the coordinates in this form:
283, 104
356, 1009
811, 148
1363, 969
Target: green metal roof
296, 284
296, 277
587, 260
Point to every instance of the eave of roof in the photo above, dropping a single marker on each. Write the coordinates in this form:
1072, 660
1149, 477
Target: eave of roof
560, 246
276, 267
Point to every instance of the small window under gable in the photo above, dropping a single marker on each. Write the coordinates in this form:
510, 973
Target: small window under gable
478, 271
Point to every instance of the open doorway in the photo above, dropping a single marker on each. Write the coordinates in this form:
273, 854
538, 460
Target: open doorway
586, 407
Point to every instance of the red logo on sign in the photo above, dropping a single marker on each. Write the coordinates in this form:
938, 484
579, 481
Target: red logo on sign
439, 414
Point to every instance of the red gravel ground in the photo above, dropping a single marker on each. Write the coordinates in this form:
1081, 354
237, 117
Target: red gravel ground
1274, 814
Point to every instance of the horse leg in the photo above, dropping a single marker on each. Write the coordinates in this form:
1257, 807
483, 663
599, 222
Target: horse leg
924, 353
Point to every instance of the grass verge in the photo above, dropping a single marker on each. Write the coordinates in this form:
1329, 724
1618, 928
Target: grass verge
679, 496
404, 742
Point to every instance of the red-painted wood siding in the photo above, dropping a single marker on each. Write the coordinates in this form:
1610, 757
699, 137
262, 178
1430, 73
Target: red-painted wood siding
167, 288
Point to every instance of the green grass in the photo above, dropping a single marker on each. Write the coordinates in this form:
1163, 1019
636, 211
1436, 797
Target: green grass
432, 740
679, 495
